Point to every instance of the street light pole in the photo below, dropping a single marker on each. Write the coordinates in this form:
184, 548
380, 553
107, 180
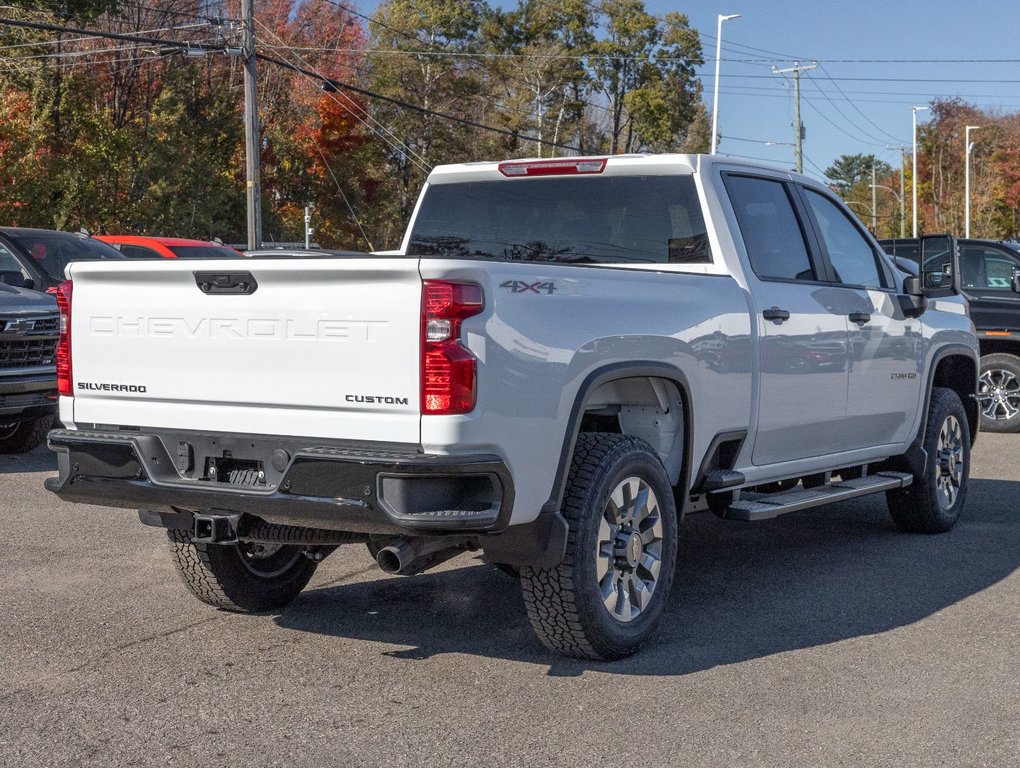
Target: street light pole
874, 204
966, 194
913, 178
715, 97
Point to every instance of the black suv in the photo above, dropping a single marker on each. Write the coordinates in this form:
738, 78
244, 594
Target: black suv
36, 258
989, 271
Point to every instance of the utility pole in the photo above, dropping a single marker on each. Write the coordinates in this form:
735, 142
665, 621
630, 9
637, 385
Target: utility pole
251, 127
798, 126
903, 190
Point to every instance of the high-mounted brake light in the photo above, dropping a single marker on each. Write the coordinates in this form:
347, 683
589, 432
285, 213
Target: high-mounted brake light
448, 369
558, 167
63, 295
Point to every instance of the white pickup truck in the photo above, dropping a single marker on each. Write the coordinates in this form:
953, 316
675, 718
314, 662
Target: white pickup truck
563, 358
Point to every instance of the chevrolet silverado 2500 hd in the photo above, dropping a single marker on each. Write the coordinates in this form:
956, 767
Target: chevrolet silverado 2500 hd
563, 357
28, 381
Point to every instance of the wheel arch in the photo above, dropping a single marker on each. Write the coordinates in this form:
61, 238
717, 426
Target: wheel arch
641, 389
957, 369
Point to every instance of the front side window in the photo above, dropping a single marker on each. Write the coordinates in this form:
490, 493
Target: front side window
605, 219
850, 254
770, 228
987, 269
11, 272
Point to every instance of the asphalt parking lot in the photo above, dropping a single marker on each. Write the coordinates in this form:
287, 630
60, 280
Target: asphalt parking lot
822, 638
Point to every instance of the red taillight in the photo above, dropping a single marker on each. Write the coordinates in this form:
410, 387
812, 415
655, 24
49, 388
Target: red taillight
63, 294
448, 369
560, 167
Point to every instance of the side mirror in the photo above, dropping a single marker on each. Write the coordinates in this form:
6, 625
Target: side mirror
14, 279
913, 302
939, 265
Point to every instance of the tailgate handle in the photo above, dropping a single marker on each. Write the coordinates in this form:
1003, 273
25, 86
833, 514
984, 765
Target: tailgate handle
226, 282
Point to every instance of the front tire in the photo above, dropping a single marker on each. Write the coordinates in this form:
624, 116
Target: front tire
932, 504
606, 597
999, 393
240, 577
24, 436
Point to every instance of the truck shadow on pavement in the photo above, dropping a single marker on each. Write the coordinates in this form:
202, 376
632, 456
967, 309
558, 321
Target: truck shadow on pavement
743, 590
42, 459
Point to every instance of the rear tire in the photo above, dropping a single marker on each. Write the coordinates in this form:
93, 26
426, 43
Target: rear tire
24, 436
999, 393
606, 597
932, 504
240, 577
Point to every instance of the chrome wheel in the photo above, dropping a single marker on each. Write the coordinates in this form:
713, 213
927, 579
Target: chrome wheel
629, 549
949, 463
999, 394
268, 560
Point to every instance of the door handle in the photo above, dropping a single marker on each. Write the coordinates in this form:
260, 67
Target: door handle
776, 314
859, 317
226, 282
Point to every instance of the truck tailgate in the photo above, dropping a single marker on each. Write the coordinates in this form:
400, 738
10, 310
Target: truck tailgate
319, 348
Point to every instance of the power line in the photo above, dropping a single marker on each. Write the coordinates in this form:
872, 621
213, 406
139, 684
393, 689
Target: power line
387, 136
405, 105
110, 35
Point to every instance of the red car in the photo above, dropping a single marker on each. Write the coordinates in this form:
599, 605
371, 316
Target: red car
138, 247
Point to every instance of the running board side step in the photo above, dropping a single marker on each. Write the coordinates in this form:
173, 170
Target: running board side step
768, 506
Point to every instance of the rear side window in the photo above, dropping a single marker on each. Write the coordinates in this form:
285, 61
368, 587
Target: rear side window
770, 228
53, 251
138, 252
203, 252
604, 219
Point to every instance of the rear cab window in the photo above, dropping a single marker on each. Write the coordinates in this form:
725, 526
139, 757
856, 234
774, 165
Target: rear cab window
772, 232
632, 219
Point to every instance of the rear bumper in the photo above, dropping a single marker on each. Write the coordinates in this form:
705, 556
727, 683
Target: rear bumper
314, 484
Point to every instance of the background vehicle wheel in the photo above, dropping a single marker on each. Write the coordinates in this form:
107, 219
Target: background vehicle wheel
606, 597
240, 577
24, 436
932, 504
999, 393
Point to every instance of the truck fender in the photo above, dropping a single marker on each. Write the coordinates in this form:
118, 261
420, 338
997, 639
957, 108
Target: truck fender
916, 458
605, 375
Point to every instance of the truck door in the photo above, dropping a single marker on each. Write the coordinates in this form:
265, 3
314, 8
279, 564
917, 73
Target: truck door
803, 335
886, 349
986, 277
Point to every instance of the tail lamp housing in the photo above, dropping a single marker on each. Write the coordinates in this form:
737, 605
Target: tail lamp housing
448, 369
63, 295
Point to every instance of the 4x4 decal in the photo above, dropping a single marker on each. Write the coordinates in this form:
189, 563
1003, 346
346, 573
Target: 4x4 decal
519, 286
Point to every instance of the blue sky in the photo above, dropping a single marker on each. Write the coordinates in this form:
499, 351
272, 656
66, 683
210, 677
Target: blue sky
877, 59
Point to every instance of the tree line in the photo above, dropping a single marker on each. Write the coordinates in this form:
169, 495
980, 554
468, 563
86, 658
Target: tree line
117, 136
941, 183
